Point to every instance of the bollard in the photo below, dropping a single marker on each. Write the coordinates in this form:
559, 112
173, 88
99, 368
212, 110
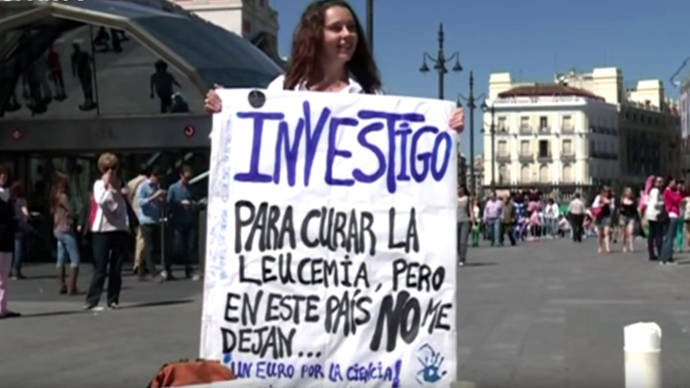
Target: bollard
642, 355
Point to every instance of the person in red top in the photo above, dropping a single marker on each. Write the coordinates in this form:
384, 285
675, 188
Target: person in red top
672, 200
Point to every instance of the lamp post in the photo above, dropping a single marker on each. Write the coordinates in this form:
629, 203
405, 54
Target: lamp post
440, 62
492, 130
370, 24
471, 104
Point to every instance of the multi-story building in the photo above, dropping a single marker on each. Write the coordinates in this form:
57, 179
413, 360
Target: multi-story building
685, 130
649, 123
253, 20
582, 131
554, 137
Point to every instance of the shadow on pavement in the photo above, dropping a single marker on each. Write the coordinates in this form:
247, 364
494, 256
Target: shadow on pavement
485, 264
156, 304
125, 307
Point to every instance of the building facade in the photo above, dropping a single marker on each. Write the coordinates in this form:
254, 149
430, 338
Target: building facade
553, 137
649, 123
253, 20
582, 131
685, 130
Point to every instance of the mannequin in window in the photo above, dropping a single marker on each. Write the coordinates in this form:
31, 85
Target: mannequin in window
81, 68
53, 60
163, 82
101, 40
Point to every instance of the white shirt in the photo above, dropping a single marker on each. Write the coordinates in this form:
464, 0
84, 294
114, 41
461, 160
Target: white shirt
651, 211
353, 87
551, 211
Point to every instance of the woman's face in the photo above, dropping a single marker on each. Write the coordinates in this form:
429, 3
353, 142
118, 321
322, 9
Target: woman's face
339, 35
658, 182
3, 180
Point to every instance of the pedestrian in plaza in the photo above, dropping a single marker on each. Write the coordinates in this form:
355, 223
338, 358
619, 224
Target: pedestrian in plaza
476, 222
329, 54
109, 227
8, 225
464, 215
521, 219
150, 200
493, 217
627, 212
551, 214
63, 230
602, 209
133, 187
534, 225
686, 216
23, 231
672, 200
655, 216
576, 215
181, 213
678, 241
508, 224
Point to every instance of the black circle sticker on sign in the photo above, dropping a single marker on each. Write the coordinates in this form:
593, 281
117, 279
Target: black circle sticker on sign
189, 131
257, 98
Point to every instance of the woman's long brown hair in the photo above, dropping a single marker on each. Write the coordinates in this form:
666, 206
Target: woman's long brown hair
60, 186
307, 49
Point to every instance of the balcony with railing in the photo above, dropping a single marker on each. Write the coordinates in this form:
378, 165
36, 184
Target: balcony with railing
503, 157
502, 131
568, 130
525, 130
525, 157
545, 157
544, 130
568, 157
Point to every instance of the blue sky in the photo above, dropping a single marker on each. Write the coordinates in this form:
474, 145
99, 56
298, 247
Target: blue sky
531, 39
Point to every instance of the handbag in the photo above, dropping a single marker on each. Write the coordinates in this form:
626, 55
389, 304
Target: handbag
596, 212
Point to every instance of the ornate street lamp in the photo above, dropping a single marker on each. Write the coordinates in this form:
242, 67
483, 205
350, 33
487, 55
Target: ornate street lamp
440, 62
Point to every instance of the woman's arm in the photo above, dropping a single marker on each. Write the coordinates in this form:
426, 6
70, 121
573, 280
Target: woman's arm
104, 196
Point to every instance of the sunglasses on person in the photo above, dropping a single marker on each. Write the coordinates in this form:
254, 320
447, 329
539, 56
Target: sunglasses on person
109, 168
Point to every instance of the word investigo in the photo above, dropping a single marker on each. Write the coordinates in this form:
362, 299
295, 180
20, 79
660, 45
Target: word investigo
402, 146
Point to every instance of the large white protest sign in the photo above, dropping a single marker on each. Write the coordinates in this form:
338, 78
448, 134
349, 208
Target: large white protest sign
331, 240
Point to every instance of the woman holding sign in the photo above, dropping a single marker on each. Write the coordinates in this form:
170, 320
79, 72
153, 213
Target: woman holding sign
329, 56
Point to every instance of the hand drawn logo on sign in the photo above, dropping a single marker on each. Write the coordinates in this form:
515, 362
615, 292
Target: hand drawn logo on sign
431, 362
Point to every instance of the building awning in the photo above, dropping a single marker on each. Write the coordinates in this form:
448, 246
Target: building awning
204, 52
548, 90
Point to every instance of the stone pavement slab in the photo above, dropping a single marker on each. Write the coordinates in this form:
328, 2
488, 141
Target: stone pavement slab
545, 314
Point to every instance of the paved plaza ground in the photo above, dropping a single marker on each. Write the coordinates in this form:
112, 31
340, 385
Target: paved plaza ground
546, 314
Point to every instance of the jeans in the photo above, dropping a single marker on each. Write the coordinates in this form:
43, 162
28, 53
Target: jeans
509, 230
475, 234
576, 225
667, 246
183, 249
463, 232
493, 227
67, 244
149, 236
108, 250
550, 227
654, 239
19, 251
5, 263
